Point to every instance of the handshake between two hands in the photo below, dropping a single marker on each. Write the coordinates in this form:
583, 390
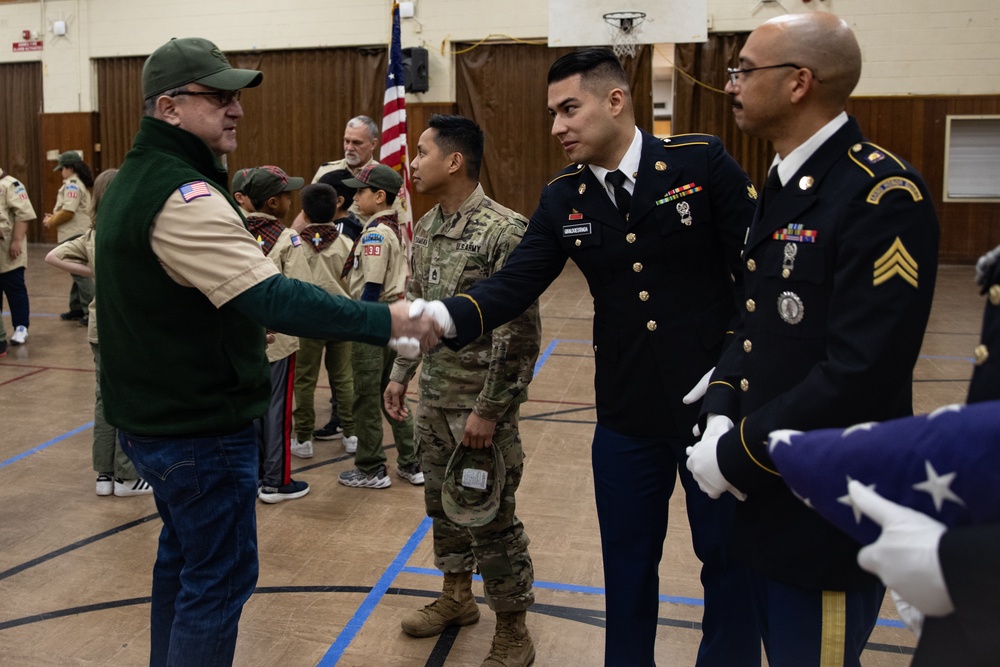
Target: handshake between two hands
418, 326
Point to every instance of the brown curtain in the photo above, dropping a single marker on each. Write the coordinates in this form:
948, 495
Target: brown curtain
295, 119
20, 144
502, 87
698, 109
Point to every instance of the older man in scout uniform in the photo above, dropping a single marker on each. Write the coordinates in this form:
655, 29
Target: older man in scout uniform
361, 137
657, 227
470, 400
839, 267
186, 295
16, 213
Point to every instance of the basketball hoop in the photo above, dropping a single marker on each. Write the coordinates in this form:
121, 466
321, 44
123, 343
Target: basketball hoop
625, 31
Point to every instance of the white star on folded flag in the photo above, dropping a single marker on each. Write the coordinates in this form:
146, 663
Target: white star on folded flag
945, 464
939, 486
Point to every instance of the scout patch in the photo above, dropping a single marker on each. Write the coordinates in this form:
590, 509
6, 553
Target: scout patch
372, 237
677, 193
190, 191
72, 191
893, 183
896, 262
795, 233
296, 240
19, 191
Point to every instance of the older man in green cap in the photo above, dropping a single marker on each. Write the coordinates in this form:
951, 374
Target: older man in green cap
188, 295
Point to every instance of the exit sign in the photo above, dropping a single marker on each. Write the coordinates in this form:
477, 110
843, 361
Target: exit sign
28, 45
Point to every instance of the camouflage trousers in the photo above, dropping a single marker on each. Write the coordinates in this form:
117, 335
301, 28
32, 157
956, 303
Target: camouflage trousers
500, 548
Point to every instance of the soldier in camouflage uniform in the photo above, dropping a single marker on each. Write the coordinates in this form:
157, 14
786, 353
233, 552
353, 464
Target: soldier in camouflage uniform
469, 398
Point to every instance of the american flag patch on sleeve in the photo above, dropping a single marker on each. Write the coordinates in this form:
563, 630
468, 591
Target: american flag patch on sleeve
194, 190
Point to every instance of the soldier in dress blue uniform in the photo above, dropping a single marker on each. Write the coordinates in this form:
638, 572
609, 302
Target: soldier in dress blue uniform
659, 251
839, 271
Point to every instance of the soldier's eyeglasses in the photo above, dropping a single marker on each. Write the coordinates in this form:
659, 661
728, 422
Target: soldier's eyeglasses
734, 74
222, 98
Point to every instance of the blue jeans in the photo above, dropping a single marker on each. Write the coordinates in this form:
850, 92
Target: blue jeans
206, 566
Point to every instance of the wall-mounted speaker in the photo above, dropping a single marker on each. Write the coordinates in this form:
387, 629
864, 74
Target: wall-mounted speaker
415, 74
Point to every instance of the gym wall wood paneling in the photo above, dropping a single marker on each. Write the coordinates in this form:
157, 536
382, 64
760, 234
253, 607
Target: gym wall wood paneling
19, 150
912, 127
295, 119
502, 87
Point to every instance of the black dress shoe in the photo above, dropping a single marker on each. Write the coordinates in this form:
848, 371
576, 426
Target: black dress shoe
71, 315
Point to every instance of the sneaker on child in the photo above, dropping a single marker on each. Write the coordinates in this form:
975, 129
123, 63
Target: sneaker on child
105, 484
20, 335
303, 450
132, 487
356, 478
331, 431
412, 473
290, 491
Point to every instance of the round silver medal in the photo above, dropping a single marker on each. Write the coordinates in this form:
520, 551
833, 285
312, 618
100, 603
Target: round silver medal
790, 307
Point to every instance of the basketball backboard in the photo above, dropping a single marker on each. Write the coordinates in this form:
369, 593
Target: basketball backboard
582, 23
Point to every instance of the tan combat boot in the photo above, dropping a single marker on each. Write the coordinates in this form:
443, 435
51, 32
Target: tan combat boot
456, 606
512, 645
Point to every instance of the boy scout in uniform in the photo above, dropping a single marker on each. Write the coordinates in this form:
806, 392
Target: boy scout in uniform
15, 214
71, 217
377, 272
267, 190
470, 400
328, 251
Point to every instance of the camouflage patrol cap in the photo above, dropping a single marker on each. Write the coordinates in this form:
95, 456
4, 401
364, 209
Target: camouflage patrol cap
193, 60
463, 504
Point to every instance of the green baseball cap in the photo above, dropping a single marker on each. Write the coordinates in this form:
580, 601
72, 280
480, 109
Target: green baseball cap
473, 484
193, 60
68, 159
260, 183
376, 176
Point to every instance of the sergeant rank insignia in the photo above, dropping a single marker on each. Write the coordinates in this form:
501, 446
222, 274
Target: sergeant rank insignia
896, 262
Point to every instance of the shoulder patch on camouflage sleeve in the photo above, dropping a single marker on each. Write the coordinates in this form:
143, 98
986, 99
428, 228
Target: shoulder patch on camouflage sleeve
896, 262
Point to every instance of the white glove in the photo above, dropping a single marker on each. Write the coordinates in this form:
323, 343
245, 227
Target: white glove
437, 310
703, 461
697, 393
905, 556
912, 616
408, 348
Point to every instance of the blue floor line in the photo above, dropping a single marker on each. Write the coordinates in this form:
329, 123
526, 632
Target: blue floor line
344, 639
15, 459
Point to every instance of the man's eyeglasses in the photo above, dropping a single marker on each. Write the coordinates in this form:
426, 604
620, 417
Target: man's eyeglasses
222, 98
734, 74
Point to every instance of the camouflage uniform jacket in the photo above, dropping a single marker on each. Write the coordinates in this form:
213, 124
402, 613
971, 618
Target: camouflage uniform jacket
449, 256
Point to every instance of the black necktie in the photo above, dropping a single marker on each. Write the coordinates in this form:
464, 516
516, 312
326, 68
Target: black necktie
622, 197
772, 186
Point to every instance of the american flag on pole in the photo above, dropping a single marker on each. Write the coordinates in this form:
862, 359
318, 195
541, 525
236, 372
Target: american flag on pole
393, 152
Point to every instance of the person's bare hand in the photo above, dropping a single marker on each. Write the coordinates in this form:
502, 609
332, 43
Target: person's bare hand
394, 399
478, 432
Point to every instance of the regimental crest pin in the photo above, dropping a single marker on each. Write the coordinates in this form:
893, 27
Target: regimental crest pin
582, 188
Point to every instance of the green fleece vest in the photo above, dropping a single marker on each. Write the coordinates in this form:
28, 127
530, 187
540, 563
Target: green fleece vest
171, 363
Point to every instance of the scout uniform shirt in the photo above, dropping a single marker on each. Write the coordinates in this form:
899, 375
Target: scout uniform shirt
14, 207
327, 251
399, 205
378, 258
449, 256
81, 251
73, 196
283, 247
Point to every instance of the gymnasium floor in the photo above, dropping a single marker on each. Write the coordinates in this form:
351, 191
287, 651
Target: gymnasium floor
341, 566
